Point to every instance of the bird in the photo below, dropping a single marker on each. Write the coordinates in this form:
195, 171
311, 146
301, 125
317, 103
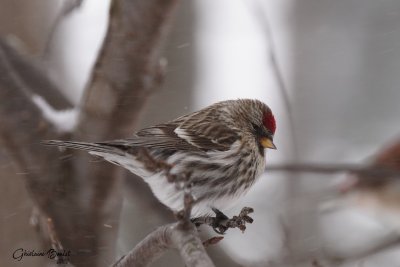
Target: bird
222, 147
377, 192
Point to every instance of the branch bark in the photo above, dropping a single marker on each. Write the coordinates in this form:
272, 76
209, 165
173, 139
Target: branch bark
128, 69
78, 196
185, 239
28, 75
23, 125
126, 73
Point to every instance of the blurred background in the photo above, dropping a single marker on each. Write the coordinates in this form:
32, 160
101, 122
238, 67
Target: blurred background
339, 62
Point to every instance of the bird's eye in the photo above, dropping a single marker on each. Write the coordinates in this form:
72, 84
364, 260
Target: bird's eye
258, 131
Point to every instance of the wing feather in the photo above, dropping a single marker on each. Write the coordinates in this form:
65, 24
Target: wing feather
201, 131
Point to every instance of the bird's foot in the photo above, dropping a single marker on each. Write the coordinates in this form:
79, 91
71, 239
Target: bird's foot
221, 223
241, 220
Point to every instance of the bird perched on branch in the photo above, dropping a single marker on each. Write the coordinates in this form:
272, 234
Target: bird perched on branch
378, 192
221, 148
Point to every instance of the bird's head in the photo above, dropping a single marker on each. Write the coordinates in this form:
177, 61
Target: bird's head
255, 119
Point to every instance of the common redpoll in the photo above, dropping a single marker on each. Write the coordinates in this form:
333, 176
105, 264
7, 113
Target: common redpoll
221, 146
378, 191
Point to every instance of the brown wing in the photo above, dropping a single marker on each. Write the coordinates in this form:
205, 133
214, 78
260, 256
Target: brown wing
207, 131
200, 131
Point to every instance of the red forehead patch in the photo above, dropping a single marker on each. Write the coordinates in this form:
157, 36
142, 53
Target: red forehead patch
269, 122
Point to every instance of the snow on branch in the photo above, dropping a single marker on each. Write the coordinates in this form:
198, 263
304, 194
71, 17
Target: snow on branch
63, 120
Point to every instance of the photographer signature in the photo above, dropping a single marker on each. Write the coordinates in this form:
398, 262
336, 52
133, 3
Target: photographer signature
60, 256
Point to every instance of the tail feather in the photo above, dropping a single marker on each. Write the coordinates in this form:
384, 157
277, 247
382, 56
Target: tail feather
90, 147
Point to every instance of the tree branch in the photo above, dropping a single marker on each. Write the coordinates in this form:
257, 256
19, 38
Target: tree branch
261, 16
185, 239
128, 69
23, 125
149, 249
29, 77
369, 170
126, 72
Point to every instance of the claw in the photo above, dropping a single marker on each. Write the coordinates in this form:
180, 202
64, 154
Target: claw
219, 221
219, 214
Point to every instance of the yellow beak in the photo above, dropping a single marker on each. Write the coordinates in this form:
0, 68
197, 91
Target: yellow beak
267, 143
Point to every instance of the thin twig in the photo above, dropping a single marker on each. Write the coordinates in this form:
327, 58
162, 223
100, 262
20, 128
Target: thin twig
292, 186
359, 169
261, 15
55, 243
